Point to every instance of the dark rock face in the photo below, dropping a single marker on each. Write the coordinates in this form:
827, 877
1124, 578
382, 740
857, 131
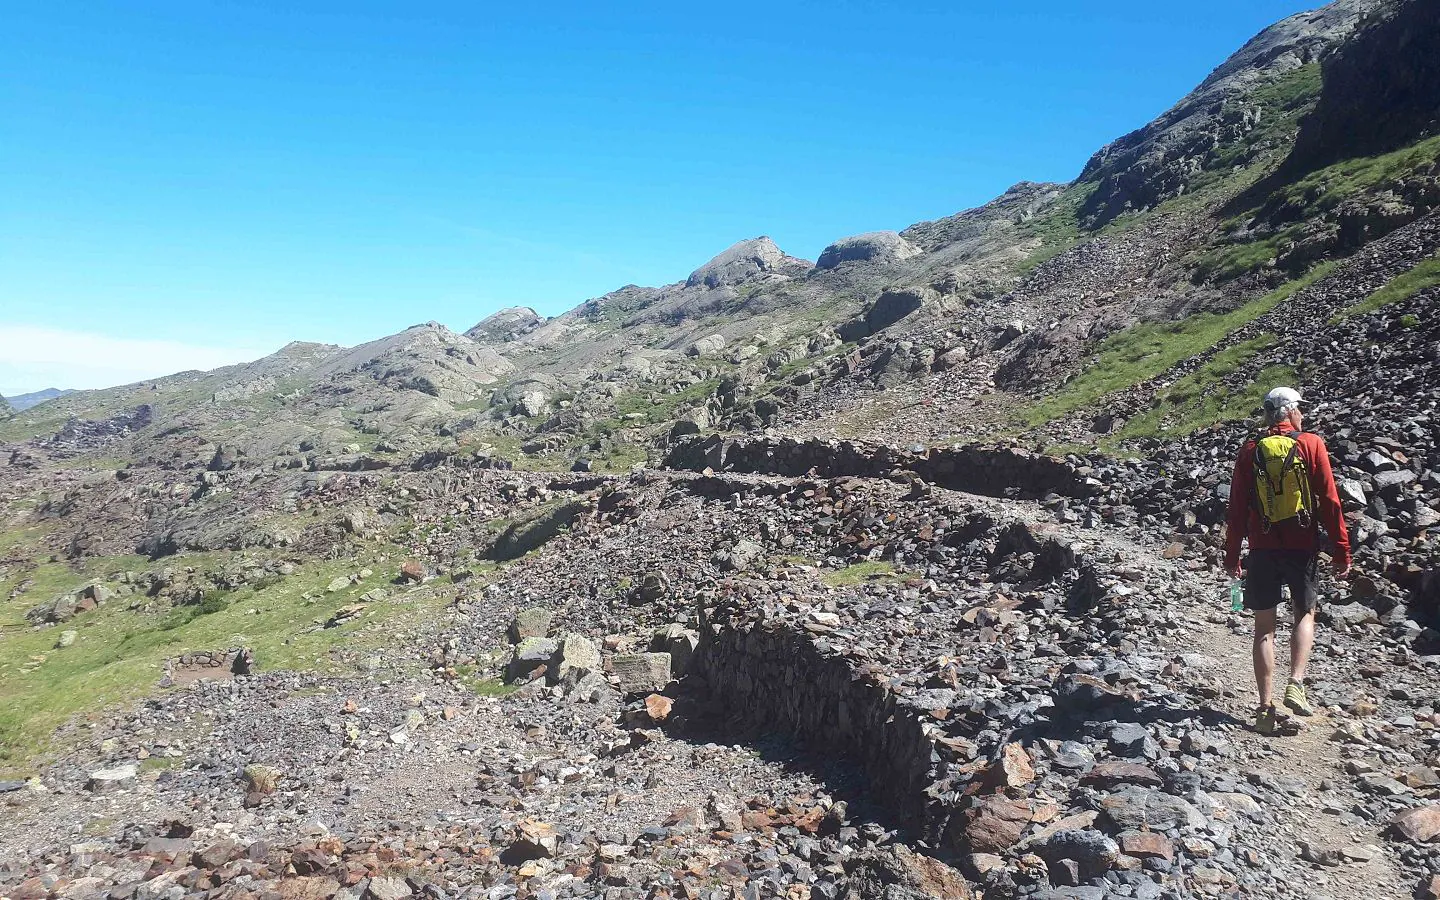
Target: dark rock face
522, 537
991, 471
1381, 89
890, 307
1158, 161
826, 704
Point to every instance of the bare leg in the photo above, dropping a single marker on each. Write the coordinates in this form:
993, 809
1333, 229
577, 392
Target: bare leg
1301, 640
1264, 653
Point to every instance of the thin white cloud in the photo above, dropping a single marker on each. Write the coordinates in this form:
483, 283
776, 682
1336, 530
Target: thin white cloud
33, 358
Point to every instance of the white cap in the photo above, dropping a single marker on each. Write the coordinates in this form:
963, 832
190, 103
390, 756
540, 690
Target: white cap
1281, 400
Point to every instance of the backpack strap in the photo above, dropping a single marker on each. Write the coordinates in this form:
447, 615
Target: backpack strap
1307, 496
1262, 477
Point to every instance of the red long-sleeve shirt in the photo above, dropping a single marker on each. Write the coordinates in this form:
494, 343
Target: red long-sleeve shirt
1244, 520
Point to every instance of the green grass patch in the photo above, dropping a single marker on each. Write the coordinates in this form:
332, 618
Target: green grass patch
661, 407
1203, 398
161, 763
490, 687
1310, 197
857, 573
1058, 228
1324, 189
1233, 260
1148, 350
120, 653
1425, 274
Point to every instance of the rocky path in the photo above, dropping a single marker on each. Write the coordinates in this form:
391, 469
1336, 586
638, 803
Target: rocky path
1069, 665
1310, 824
1337, 859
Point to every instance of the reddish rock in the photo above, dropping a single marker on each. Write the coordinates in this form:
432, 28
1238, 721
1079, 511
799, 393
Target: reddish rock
31, 889
1419, 825
310, 861
658, 706
1011, 770
755, 820
995, 824
310, 888
412, 571
534, 840
931, 877
216, 855
687, 817
1146, 845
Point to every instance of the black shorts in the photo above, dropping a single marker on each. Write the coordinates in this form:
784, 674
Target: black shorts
1267, 570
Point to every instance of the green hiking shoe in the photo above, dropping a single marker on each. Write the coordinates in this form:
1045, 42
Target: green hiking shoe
1297, 701
1267, 720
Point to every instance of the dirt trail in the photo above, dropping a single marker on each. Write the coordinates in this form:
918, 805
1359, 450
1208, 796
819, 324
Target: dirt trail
1308, 766
1313, 816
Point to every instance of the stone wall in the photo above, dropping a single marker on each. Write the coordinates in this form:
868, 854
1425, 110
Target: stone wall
975, 469
208, 664
777, 680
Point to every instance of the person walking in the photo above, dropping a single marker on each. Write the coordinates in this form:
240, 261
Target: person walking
1281, 495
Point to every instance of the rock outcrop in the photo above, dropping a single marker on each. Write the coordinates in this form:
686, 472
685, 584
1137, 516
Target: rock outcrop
873, 246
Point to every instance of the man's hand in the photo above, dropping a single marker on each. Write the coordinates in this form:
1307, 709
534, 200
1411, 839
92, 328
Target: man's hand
1342, 570
1234, 569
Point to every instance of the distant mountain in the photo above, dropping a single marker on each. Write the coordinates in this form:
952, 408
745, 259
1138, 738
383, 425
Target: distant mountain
994, 308
22, 402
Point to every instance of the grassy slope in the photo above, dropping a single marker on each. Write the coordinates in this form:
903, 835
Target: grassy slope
1204, 398
1148, 350
119, 653
1307, 199
1425, 274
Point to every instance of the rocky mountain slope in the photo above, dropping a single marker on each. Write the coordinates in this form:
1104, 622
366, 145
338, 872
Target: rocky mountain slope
891, 574
35, 398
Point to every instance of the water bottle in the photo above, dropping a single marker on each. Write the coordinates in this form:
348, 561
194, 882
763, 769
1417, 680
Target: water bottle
1237, 595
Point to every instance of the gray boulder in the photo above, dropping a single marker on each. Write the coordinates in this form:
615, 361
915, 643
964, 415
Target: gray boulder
678, 643
1141, 808
505, 325
530, 654
530, 623
640, 673
576, 657
707, 346
873, 246
112, 779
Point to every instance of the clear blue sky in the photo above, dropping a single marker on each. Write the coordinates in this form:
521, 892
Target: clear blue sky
231, 176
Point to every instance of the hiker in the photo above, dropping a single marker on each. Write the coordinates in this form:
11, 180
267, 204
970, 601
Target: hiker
1281, 494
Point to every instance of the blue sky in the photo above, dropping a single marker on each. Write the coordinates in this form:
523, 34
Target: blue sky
216, 179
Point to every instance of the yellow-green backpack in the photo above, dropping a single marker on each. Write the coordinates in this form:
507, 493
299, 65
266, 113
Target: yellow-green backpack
1282, 480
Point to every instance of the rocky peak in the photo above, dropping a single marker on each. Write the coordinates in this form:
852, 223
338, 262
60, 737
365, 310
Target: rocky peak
1158, 162
743, 261
872, 246
505, 325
